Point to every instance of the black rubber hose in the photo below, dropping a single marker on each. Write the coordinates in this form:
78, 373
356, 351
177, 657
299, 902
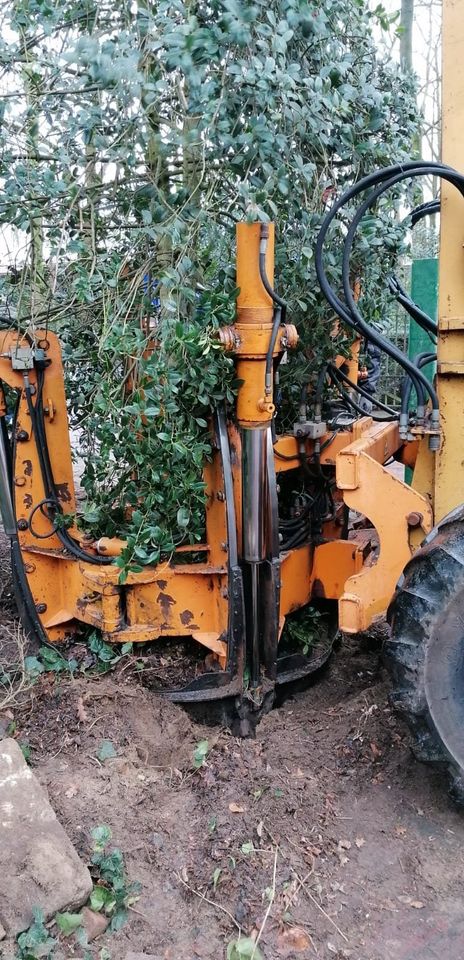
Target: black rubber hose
352, 403
415, 374
24, 599
280, 311
7, 447
414, 311
427, 209
318, 392
362, 392
38, 427
387, 177
355, 315
407, 385
420, 360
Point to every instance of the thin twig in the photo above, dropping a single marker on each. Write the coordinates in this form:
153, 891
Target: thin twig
308, 892
271, 901
102, 717
19, 682
202, 896
139, 913
316, 904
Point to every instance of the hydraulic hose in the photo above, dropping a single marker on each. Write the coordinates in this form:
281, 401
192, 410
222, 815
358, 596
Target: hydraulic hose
352, 403
367, 396
427, 209
420, 360
51, 497
348, 312
280, 310
414, 311
355, 315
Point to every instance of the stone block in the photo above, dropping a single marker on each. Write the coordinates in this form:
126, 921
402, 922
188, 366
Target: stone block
38, 863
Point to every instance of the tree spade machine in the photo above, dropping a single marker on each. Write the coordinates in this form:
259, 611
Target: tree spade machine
277, 506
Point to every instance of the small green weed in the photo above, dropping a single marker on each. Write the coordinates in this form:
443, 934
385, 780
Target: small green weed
68, 923
35, 942
49, 660
243, 949
106, 751
26, 751
303, 628
200, 753
112, 893
106, 656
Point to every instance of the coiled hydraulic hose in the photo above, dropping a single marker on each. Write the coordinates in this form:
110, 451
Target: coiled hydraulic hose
355, 315
381, 181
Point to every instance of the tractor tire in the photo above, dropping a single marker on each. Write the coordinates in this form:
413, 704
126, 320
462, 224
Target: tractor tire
425, 653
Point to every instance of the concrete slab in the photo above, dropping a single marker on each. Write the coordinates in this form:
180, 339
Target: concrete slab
38, 863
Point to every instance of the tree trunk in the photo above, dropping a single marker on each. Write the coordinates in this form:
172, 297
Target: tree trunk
406, 23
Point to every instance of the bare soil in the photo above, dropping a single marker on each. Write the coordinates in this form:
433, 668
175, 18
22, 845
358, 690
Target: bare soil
323, 835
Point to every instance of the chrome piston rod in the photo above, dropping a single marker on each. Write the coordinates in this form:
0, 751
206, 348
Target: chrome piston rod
6, 502
254, 486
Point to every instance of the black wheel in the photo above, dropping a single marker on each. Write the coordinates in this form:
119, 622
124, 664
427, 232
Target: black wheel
425, 653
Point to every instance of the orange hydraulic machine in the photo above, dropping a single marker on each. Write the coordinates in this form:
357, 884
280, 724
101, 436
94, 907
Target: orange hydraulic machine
277, 536
314, 518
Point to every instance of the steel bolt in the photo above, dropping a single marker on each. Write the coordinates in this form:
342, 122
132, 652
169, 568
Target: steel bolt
41, 607
22, 435
22, 524
29, 567
414, 519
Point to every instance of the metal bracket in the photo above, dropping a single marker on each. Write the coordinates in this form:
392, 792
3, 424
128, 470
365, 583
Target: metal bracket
312, 429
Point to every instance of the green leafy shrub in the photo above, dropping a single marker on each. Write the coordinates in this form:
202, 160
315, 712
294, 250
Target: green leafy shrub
134, 135
112, 893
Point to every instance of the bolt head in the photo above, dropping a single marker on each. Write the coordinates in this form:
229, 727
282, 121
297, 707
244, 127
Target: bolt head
414, 519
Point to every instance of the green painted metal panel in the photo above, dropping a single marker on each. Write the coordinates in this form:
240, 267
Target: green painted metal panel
424, 292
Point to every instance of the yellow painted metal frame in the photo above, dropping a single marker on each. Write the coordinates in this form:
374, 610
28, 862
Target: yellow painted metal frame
449, 468
393, 508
